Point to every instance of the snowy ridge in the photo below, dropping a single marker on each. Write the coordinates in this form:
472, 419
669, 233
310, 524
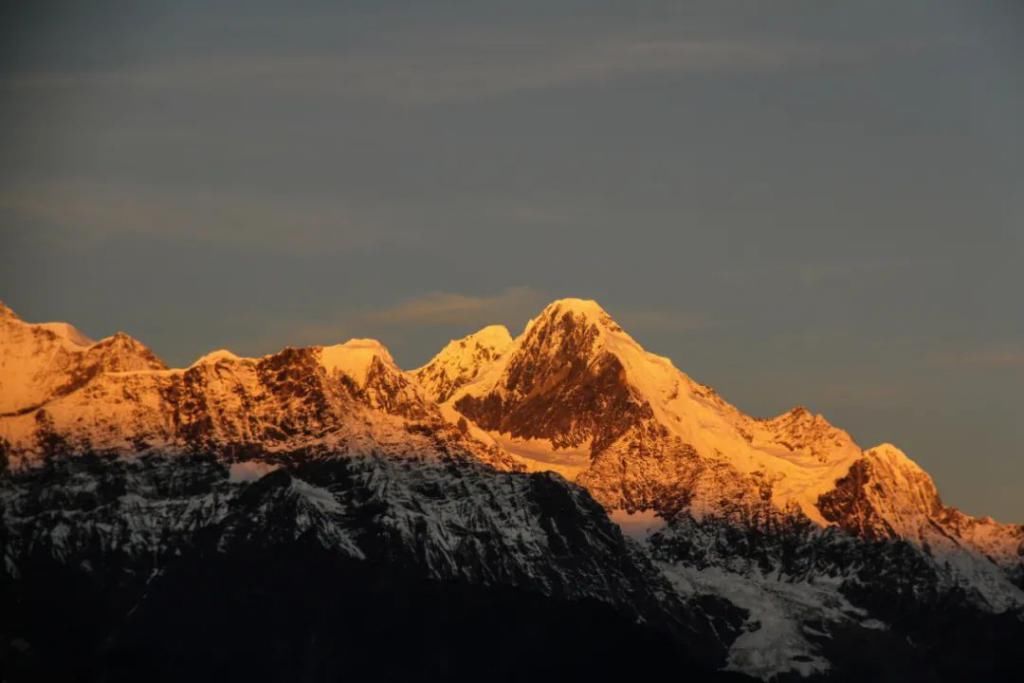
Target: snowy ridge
574, 393
216, 357
651, 407
490, 528
121, 398
355, 358
787, 517
43, 360
462, 360
886, 495
574, 372
577, 395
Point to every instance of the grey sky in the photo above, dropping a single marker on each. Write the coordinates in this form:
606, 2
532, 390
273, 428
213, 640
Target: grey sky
800, 203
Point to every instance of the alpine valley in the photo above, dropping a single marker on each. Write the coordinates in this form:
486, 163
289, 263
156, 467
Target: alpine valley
558, 505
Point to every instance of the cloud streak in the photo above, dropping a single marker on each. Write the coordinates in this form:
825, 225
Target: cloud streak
469, 68
448, 308
95, 211
993, 358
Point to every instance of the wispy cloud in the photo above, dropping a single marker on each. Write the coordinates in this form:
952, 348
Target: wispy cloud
447, 308
469, 68
392, 323
1005, 356
86, 210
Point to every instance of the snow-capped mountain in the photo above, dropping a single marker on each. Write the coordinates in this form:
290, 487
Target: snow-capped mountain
575, 389
576, 394
462, 361
350, 397
777, 545
43, 361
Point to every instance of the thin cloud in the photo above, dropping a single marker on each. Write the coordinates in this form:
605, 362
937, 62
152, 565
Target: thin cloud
447, 308
84, 210
996, 357
466, 70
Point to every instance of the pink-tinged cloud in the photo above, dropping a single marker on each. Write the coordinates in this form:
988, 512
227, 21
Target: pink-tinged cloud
457, 309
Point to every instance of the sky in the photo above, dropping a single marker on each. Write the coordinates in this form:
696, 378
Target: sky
806, 203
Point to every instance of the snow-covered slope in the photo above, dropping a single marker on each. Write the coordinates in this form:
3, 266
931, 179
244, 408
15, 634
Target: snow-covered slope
133, 528
576, 379
813, 536
576, 394
462, 360
888, 496
44, 360
349, 397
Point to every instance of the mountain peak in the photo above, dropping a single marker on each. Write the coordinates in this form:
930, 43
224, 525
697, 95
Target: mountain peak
462, 360
575, 305
587, 309
494, 335
7, 313
573, 378
355, 358
120, 339
893, 456
216, 357
122, 352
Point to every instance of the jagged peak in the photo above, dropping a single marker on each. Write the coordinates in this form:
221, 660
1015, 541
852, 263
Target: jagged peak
462, 360
67, 332
121, 340
355, 358
890, 452
900, 473
216, 357
587, 309
62, 331
6, 312
492, 335
578, 331
496, 337
122, 352
799, 415
364, 344
579, 314
575, 305
894, 458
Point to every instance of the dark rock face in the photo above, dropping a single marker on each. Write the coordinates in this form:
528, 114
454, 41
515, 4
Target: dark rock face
391, 392
165, 569
558, 386
848, 506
